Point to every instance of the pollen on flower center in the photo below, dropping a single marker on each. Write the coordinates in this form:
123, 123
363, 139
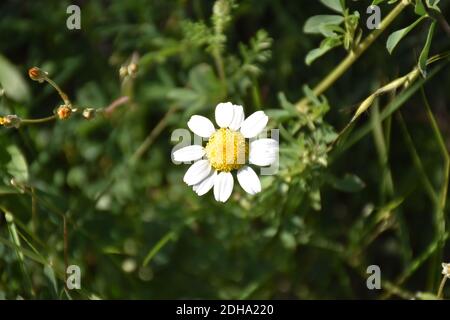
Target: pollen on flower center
227, 150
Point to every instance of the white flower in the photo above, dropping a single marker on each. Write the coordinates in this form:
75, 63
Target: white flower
228, 149
446, 269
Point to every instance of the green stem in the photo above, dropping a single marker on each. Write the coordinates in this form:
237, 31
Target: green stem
442, 197
63, 96
145, 145
441, 287
220, 69
37, 121
255, 95
353, 55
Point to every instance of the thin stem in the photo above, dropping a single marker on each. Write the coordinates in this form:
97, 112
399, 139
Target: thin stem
63, 96
441, 287
443, 149
220, 68
116, 103
442, 197
152, 135
255, 95
34, 210
353, 55
36, 121
418, 164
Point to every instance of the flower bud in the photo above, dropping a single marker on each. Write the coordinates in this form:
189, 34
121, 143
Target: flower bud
64, 112
10, 121
89, 113
37, 74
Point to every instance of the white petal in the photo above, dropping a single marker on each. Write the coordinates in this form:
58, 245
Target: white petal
254, 124
189, 153
223, 186
205, 185
197, 172
248, 180
263, 152
201, 126
238, 117
224, 114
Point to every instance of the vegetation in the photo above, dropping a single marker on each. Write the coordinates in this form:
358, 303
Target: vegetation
85, 144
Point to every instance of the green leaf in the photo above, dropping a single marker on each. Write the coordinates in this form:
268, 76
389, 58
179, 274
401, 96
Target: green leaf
317, 24
12, 81
288, 240
398, 35
17, 166
426, 50
419, 8
349, 183
280, 115
4, 190
202, 89
50, 274
335, 5
326, 45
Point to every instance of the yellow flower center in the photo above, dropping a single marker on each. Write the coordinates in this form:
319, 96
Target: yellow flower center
227, 150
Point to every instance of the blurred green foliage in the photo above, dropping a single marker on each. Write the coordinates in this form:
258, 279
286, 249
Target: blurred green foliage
137, 231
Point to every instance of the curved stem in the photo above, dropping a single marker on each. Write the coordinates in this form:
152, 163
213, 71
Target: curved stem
145, 145
36, 121
353, 55
63, 96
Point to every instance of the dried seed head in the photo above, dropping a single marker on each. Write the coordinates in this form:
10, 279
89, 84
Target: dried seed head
89, 113
10, 121
37, 74
63, 112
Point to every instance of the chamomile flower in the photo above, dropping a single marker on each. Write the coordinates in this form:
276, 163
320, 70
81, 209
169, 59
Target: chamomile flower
228, 149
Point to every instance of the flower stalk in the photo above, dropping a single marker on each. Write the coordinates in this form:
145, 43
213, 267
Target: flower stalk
64, 111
